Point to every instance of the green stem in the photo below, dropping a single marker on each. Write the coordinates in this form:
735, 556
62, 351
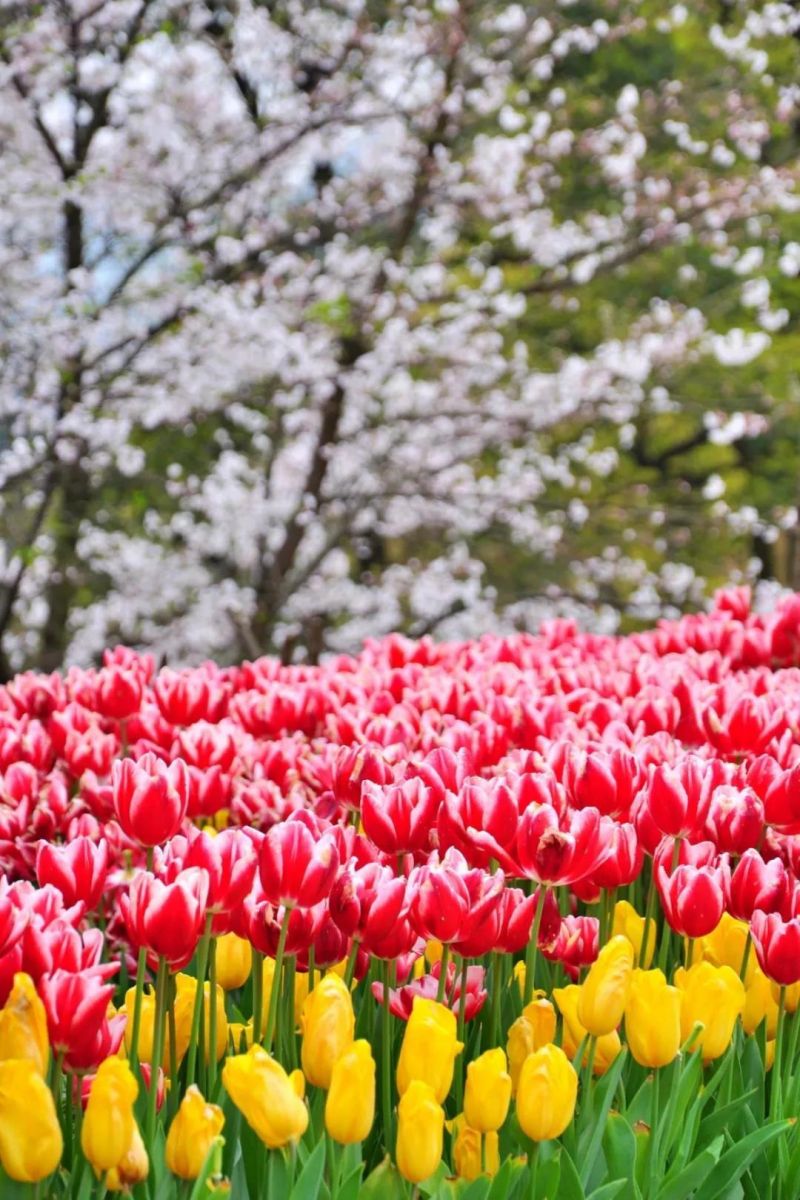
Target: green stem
482, 1136
350, 969
141, 966
654, 1129
158, 1050
775, 1092
533, 946
212, 1017
386, 1062
257, 976
664, 951
194, 1036
290, 1044
791, 1057
533, 1163
649, 919
746, 956
173, 1046
58, 1075
274, 995
443, 965
461, 1023
689, 952
496, 996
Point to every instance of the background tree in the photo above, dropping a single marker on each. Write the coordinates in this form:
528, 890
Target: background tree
321, 319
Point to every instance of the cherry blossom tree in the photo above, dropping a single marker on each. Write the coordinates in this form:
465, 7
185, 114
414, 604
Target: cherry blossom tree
313, 314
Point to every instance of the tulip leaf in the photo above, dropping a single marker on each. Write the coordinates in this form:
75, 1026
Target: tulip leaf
692, 1176
619, 1147
604, 1094
508, 1177
308, 1183
735, 1161
478, 1189
608, 1190
384, 1183
569, 1186
720, 1119
548, 1178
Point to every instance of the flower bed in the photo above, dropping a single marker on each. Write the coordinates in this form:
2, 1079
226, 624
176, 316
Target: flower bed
515, 917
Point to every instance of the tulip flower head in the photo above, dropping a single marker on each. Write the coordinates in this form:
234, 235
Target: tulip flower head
546, 1095
350, 1103
269, 1099
193, 1131
30, 1135
420, 1132
652, 1019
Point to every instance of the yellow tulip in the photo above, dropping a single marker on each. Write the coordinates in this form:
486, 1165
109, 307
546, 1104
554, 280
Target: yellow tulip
548, 1089
715, 997
467, 1150
534, 1029
234, 961
108, 1123
725, 946
195, 1127
328, 1025
628, 923
350, 1103
237, 1033
269, 1099
430, 1048
133, 1167
607, 1047
792, 996
23, 1025
760, 1003
653, 1019
488, 1092
605, 990
30, 1135
420, 1130
433, 951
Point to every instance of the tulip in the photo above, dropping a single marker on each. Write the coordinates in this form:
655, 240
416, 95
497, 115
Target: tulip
440, 900
532, 1030
192, 1133
185, 989
23, 1025
548, 1089
350, 1103
628, 923
229, 859
420, 1132
269, 1099
577, 944
726, 945
429, 1048
108, 1123
605, 990
118, 692
624, 861
298, 862
13, 919
78, 869
488, 1092
30, 1135
132, 1168
467, 1150
327, 1024
167, 918
551, 854
234, 961
757, 885
694, 897
678, 799
78, 1025
399, 817
713, 996
653, 1019
150, 798
608, 1046
777, 946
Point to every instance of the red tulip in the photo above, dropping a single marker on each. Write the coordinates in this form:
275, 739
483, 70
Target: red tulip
298, 861
167, 918
401, 1000
440, 899
605, 780
735, 819
577, 944
399, 818
678, 799
182, 696
554, 854
694, 898
78, 869
480, 928
624, 861
757, 886
368, 902
13, 918
76, 1005
777, 944
117, 692
518, 912
150, 798
229, 859
481, 821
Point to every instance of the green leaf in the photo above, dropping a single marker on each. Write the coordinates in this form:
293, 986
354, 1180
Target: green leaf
735, 1161
384, 1183
308, 1183
589, 1147
619, 1147
608, 1190
570, 1186
682, 1184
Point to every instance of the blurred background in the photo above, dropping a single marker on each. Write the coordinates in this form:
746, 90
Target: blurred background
324, 319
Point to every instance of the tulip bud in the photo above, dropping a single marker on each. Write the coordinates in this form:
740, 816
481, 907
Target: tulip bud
725, 945
269, 1099
350, 1103
548, 1089
108, 1123
628, 923
23, 1025
234, 961
532, 1030
653, 1019
467, 1151
777, 945
759, 1003
133, 1167
605, 989
713, 996
420, 1132
30, 1135
328, 1025
488, 1092
429, 1048
192, 1133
